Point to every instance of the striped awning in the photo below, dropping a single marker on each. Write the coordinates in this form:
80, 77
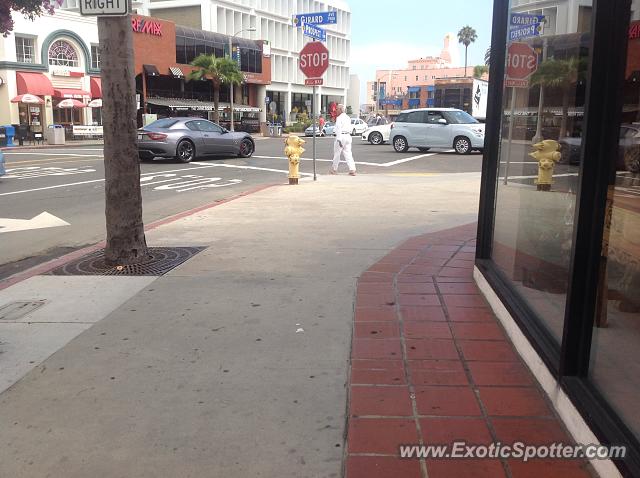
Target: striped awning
176, 72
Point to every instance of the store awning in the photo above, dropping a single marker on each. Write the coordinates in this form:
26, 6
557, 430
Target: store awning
70, 93
96, 87
184, 104
150, 70
176, 72
33, 84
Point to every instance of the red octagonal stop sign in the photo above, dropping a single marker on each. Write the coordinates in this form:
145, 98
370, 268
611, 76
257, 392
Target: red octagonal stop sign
522, 61
314, 59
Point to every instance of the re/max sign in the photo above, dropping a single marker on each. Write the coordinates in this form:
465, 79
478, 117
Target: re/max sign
634, 31
140, 25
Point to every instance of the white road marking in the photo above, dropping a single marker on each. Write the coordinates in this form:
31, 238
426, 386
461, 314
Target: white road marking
534, 177
30, 172
311, 159
235, 166
80, 183
406, 160
57, 154
381, 165
41, 221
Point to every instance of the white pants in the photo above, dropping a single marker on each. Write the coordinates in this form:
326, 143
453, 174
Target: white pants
345, 150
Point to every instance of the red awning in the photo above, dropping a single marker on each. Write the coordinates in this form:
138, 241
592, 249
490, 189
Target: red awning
33, 83
96, 87
70, 93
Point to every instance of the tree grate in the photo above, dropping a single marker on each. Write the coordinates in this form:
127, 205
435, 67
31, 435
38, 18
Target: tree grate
160, 261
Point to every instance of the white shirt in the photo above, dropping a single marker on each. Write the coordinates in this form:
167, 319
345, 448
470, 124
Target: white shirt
343, 124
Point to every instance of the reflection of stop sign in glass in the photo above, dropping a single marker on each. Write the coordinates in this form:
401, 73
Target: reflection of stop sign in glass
314, 59
522, 61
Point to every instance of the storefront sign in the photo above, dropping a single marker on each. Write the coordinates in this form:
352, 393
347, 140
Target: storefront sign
61, 72
634, 31
142, 25
87, 130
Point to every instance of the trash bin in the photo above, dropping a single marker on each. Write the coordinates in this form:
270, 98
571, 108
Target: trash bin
55, 134
3, 136
22, 133
10, 131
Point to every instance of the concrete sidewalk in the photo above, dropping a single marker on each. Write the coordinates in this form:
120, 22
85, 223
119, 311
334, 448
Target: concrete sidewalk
234, 364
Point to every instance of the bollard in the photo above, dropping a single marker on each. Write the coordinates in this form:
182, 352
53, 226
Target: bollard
294, 150
547, 154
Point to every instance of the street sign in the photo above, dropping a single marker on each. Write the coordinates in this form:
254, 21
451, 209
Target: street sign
528, 31
517, 20
104, 7
307, 103
313, 81
314, 32
522, 62
267, 99
314, 60
319, 18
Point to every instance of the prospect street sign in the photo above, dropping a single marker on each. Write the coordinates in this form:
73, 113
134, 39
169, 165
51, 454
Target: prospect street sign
314, 32
104, 7
314, 59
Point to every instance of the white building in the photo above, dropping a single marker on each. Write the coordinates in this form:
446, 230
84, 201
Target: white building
272, 20
353, 95
54, 58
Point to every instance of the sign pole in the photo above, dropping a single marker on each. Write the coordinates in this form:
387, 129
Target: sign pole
313, 115
511, 121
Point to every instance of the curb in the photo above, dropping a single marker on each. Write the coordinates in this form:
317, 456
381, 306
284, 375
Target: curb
59, 261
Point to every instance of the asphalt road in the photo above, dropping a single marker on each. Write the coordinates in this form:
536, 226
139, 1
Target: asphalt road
68, 183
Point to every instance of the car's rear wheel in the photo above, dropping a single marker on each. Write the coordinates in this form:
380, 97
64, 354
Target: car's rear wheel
424, 150
376, 138
186, 151
462, 145
246, 148
400, 144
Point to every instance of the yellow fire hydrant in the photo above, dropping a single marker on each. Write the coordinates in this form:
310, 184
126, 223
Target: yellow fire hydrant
547, 154
294, 150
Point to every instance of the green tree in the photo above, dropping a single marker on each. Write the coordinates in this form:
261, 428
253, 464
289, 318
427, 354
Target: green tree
466, 36
29, 8
210, 67
562, 74
349, 110
231, 75
480, 70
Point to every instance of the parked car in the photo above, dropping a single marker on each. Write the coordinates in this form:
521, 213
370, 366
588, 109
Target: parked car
327, 130
377, 134
2, 170
427, 128
185, 139
629, 143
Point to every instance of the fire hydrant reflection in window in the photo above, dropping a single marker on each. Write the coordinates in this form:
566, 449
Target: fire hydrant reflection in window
547, 154
294, 150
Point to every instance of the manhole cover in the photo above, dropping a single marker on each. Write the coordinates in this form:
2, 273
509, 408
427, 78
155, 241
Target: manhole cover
160, 261
20, 308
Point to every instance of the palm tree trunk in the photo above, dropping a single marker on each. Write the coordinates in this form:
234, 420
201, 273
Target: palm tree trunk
466, 47
126, 243
216, 103
565, 113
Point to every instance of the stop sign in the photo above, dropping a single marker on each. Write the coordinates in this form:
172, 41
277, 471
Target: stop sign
522, 61
314, 59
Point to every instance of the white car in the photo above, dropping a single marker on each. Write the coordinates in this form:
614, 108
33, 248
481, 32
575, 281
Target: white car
377, 134
446, 128
358, 126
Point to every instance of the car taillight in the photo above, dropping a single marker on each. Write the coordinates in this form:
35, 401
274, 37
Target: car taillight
157, 136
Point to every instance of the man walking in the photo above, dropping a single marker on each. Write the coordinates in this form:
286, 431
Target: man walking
342, 144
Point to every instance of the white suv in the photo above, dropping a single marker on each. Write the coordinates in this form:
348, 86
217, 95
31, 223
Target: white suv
427, 128
358, 126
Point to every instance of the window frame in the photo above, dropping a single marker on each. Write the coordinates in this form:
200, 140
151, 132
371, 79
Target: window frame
22, 38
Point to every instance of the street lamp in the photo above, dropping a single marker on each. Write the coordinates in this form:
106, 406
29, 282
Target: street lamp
250, 29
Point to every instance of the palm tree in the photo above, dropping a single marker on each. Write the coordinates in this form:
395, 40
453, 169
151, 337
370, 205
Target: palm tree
231, 75
563, 74
466, 36
208, 66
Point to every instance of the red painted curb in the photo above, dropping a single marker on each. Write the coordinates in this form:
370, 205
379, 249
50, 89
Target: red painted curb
59, 261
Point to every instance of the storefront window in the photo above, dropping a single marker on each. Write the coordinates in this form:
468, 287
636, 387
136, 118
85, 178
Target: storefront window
615, 349
541, 142
25, 49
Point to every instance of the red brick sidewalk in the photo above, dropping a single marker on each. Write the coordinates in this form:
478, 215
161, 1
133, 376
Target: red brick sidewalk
432, 365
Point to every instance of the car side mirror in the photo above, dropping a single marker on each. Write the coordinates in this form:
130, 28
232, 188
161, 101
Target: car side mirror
442, 121
225, 130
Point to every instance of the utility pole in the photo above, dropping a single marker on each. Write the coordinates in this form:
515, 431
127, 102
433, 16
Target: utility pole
538, 136
126, 243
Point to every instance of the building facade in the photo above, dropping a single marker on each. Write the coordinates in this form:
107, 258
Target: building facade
560, 263
272, 21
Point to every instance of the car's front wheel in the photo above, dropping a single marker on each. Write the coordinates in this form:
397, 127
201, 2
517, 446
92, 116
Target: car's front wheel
246, 148
400, 144
376, 138
462, 145
186, 151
